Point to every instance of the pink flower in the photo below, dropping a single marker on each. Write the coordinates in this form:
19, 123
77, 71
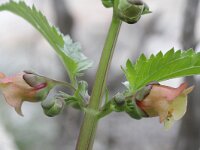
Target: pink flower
25, 86
166, 102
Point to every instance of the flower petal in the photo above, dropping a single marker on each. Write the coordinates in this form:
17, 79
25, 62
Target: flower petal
168, 122
161, 106
15, 90
166, 92
26, 86
179, 105
18, 108
2, 75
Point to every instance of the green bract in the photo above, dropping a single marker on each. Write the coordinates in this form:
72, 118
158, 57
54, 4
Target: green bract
161, 67
70, 53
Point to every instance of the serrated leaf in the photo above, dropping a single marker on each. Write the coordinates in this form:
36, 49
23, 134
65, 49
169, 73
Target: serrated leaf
70, 53
161, 67
77, 61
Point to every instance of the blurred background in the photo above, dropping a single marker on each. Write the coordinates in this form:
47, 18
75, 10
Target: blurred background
172, 24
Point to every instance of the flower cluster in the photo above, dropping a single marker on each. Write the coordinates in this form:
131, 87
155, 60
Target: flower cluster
153, 100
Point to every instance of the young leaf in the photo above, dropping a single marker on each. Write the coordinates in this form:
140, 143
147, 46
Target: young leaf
77, 61
162, 67
69, 52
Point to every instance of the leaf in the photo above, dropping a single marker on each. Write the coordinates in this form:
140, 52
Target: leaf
82, 91
162, 67
77, 61
70, 53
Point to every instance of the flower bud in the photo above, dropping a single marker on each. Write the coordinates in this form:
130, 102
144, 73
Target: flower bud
119, 102
130, 11
53, 108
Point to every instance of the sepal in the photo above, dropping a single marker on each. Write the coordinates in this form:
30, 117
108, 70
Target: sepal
133, 110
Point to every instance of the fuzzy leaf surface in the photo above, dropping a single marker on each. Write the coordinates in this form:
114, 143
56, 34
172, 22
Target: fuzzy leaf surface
69, 52
162, 67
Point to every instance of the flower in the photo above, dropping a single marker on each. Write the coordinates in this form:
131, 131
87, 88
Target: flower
25, 86
166, 102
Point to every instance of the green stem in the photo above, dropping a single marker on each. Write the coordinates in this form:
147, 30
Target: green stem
88, 129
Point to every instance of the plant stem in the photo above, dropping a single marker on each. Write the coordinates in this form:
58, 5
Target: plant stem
88, 129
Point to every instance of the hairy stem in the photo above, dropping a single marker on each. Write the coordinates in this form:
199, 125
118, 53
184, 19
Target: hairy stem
88, 129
